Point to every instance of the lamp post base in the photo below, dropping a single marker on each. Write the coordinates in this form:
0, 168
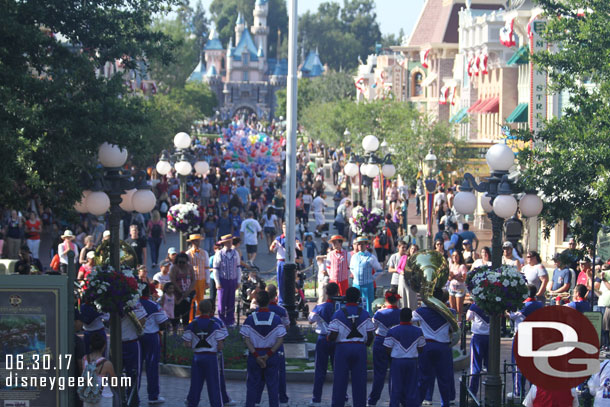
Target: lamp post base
293, 334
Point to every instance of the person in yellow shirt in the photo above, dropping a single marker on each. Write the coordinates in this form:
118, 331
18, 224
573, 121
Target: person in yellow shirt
200, 261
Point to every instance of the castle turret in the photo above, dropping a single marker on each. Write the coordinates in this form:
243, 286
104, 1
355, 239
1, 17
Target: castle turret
240, 26
259, 29
213, 50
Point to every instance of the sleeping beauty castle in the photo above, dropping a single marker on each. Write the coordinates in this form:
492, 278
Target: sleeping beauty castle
242, 75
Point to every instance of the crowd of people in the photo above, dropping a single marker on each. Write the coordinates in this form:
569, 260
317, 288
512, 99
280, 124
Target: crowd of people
193, 293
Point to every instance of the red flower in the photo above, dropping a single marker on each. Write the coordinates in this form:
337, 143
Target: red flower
498, 284
485, 283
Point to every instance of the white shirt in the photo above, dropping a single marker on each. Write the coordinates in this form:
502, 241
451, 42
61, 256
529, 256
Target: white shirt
128, 328
599, 384
480, 263
161, 278
393, 262
269, 222
307, 199
479, 326
319, 204
250, 228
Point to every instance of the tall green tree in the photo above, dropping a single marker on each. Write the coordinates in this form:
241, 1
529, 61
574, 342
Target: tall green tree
329, 87
570, 159
341, 34
408, 133
224, 14
54, 111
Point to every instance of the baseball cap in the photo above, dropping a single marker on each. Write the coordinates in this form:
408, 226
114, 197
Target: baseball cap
90, 255
466, 241
507, 245
172, 250
165, 263
106, 233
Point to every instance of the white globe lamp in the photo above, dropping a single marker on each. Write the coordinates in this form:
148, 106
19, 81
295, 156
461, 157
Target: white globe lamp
388, 170
98, 203
465, 202
202, 167
183, 167
363, 168
370, 143
163, 167
486, 203
505, 206
530, 205
182, 140
126, 200
351, 169
144, 200
81, 206
500, 157
111, 155
372, 170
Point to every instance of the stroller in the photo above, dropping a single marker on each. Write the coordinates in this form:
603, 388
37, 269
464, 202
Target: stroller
250, 282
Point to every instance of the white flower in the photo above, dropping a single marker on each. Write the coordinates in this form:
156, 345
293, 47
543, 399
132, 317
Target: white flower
513, 283
505, 283
99, 291
482, 296
498, 299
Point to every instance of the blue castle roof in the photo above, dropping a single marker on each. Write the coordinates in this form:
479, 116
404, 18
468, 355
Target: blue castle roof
246, 44
262, 2
211, 72
213, 43
240, 19
197, 75
277, 68
312, 66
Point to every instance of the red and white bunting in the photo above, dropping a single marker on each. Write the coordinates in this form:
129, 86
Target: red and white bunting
469, 66
475, 65
507, 34
359, 84
483, 63
451, 97
444, 96
423, 57
530, 34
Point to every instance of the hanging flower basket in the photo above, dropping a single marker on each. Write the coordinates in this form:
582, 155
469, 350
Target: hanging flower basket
111, 290
184, 218
499, 290
366, 223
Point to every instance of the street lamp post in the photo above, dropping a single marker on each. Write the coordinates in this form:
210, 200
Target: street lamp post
500, 204
430, 183
183, 161
116, 190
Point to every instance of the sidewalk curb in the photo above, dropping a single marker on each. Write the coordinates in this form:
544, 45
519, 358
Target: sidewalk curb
182, 371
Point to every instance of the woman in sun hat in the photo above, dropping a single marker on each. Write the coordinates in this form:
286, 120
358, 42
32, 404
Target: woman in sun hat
64, 248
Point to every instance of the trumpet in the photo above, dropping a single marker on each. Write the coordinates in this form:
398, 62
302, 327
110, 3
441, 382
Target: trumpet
136, 322
563, 296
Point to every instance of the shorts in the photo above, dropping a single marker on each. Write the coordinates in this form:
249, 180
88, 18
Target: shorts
459, 291
319, 217
251, 248
270, 231
380, 254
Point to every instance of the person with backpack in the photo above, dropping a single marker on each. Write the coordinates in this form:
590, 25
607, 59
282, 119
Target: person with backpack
383, 244
456, 241
96, 370
156, 235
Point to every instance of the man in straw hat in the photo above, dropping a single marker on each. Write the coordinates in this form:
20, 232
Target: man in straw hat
338, 259
200, 261
362, 265
227, 275
64, 248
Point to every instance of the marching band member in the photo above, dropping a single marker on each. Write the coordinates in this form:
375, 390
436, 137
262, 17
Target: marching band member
263, 334
403, 344
352, 329
384, 319
325, 350
150, 344
479, 344
130, 330
436, 360
206, 337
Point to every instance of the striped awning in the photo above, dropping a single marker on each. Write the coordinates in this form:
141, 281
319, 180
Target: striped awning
475, 107
491, 105
521, 56
459, 116
519, 115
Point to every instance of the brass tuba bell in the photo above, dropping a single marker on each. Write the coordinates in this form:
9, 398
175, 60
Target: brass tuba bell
425, 271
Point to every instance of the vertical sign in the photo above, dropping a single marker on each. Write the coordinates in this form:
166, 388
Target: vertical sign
538, 78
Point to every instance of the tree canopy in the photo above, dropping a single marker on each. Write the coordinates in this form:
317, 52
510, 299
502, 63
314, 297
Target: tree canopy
570, 159
55, 111
341, 34
409, 133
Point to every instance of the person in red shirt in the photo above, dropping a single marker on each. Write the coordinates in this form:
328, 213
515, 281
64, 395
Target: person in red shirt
539, 397
33, 228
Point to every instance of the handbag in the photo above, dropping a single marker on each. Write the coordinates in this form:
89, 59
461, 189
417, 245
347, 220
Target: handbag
55, 263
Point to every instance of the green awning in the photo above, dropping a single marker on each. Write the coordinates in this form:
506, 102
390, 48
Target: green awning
519, 115
521, 56
459, 116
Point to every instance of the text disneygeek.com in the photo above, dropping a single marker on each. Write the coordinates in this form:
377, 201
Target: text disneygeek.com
15, 380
